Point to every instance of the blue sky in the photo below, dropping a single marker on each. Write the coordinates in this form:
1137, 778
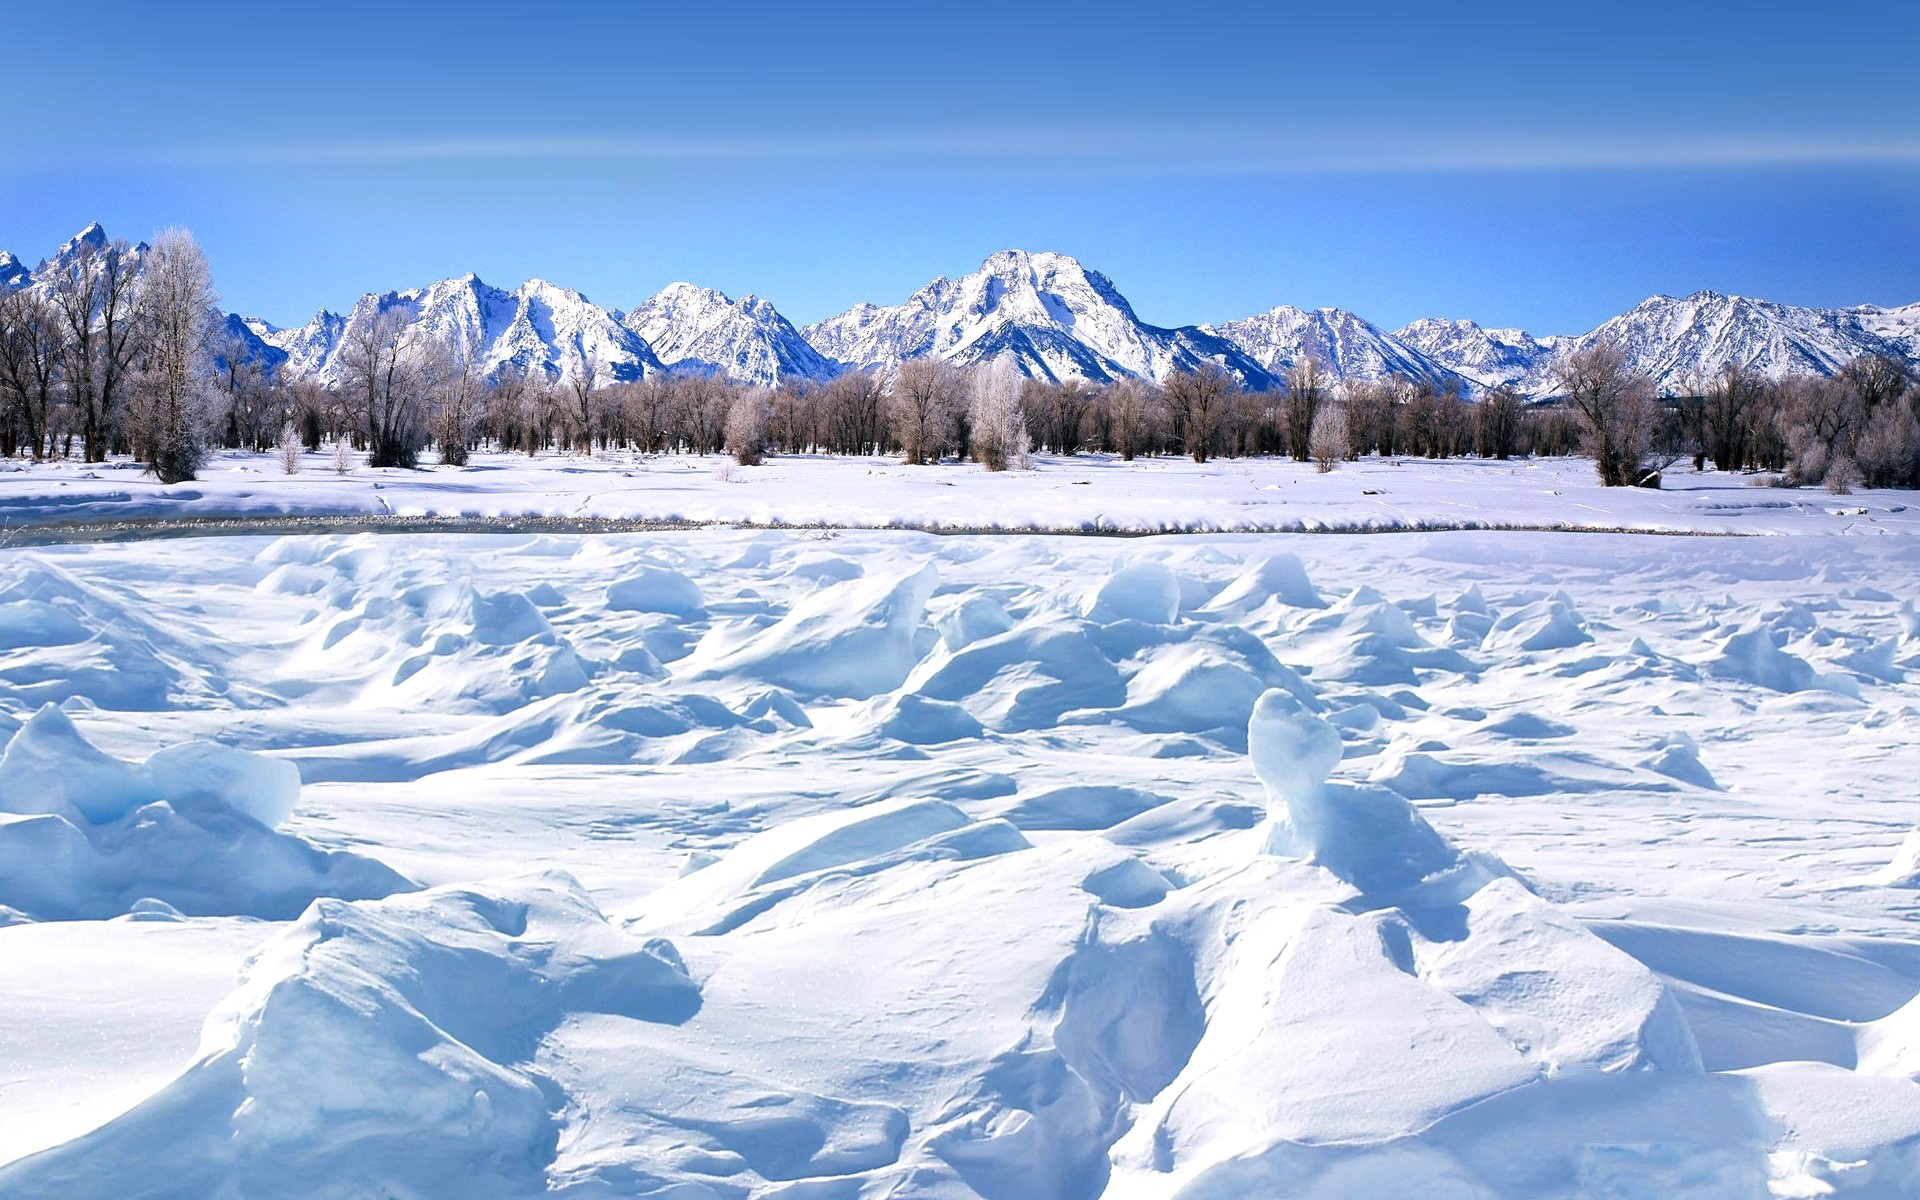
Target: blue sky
1536, 165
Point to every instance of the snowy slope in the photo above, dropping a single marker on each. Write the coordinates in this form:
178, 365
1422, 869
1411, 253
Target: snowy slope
1346, 346
1899, 327
1059, 320
696, 328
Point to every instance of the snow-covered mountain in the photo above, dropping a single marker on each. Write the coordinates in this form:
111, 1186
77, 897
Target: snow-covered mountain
1677, 340
1346, 346
1488, 358
13, 272
696, 328
538, 326
1058, 319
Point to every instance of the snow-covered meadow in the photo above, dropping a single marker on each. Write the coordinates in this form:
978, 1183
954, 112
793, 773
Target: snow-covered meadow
1072, 494
846, 862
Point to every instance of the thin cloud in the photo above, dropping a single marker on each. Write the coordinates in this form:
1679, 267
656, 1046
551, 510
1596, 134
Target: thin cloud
1135, 151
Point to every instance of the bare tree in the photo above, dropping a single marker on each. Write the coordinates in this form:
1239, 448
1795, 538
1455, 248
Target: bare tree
1729, 402
1060, 409
1198, 401
1498, 422
247, 393
1615, 408
459, 404
32, 347
1133, 411
922, 404
95, 294
1305, 391
381, 384
1820, 419
853, 408
174, 389
701, 403
583, 395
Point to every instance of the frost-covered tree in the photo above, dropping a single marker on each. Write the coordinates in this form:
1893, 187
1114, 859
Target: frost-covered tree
922, 404
288, 448
174, 390
746, 430
1329, 440
997, 427
1615, 408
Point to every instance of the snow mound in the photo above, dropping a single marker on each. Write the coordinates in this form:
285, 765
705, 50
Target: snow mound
85, 835
767, 867
656, 590
1208, 686
919, 721
1026, 678
61, 639
1752, 656
1146, 592
852, 640
1904, 870
1369, 641
1678, 757
974, 619
1279, 577
381, 1048
1543, 625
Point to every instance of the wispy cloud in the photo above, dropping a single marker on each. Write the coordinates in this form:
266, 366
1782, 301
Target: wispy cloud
1145, 151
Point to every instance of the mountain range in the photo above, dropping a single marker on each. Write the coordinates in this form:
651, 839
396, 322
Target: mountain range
1059, 320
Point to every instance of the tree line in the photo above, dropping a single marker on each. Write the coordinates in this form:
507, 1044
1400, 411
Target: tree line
122, 351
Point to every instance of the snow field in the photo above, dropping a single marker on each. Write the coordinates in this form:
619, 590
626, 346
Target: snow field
725, 864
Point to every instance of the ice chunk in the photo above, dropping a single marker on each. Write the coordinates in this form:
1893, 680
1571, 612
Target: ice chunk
49, 767
1368, 836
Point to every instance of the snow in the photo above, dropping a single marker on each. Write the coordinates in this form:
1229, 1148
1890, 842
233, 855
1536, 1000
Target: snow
757, 862
1086, 492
